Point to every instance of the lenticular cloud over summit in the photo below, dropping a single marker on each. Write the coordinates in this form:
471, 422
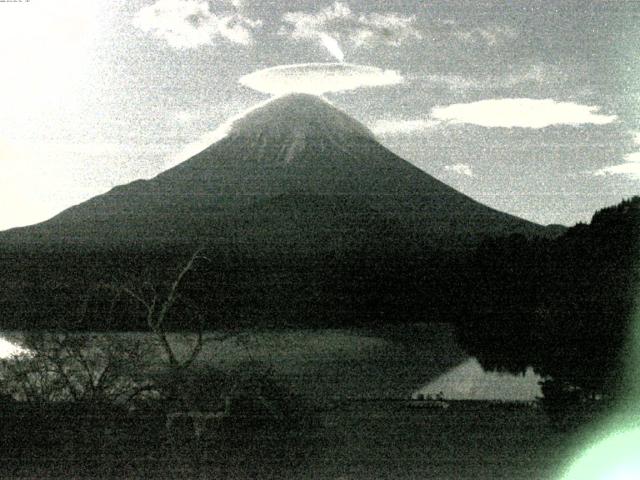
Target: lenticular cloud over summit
319, 78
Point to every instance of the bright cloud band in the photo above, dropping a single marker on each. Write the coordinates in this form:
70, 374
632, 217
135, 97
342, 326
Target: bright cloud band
319, 78
630, 168
399, 127
522, 113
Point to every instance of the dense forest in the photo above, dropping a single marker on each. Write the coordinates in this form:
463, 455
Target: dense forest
563, 306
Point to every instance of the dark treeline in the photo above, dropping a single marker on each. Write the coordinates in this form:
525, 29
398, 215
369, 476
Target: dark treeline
361, 284
563, 306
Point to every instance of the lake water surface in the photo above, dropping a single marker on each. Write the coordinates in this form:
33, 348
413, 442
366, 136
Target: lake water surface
346, 363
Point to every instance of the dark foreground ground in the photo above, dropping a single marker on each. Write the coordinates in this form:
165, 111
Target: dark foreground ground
350, 441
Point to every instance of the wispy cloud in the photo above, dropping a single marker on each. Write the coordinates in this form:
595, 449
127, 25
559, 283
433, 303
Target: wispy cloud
632, 157
540, 74
454, 82
521, 113
193, 23
319, 78
332, 46
490, 35
402, 127
629, 168
460, 169
341, 25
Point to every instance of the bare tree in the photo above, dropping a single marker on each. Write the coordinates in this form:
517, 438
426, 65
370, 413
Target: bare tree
66, 366
157, 308
71, 366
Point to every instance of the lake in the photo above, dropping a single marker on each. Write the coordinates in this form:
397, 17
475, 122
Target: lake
334, 363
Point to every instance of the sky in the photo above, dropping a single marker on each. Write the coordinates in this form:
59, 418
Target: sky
532, 108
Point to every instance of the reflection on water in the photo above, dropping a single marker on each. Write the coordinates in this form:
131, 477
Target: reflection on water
295, 353
469, 381
9, 349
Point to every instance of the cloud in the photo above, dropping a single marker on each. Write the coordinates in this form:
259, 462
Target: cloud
332, 46
632, 157
318, 78
522, 113
184, 116
400, 127
454, 82
491, 35
193, 23
460, 169
342, 25
540, 74
630, 168
388, 28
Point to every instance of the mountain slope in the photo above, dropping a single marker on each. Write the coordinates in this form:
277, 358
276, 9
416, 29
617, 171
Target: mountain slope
305, 217
296, 163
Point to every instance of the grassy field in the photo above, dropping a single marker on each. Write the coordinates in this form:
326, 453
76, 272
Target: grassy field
355, 424
468, 440
356, 441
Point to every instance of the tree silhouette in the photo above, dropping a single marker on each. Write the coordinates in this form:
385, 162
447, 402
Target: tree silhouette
562, 306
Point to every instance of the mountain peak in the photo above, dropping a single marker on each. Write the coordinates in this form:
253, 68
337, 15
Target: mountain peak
298, 114
299, 100
295, 165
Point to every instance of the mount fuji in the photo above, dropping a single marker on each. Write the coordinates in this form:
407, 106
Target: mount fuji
296, 160
298, 203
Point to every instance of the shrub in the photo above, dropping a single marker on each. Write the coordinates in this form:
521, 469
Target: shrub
63, 367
